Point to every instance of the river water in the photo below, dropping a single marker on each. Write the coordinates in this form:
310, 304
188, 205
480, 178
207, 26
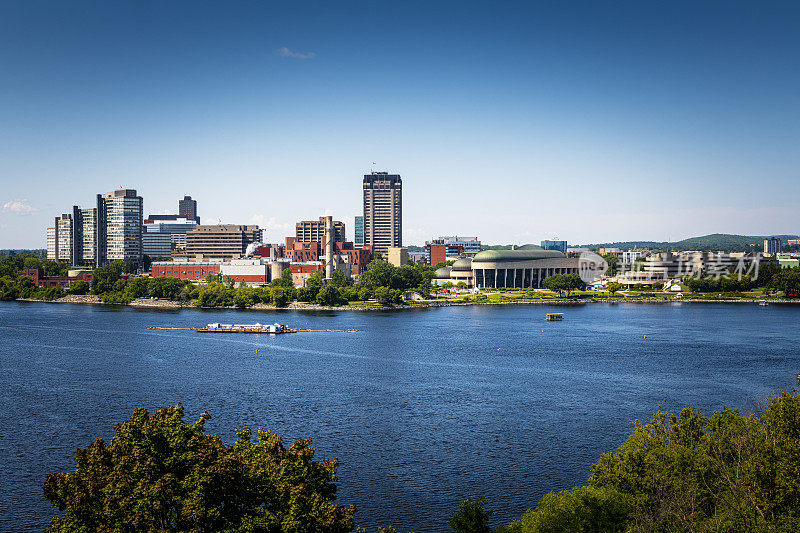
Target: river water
423, 408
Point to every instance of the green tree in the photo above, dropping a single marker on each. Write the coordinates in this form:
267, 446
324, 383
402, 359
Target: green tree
338, 279
386, 296
79, 287
279, 296
472, 517
31, 262
613, 287
285, 280
563, 282
330, 296
161, 474
581, 510
379, 273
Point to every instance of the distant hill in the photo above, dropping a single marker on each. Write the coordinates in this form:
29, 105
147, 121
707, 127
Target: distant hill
724, 242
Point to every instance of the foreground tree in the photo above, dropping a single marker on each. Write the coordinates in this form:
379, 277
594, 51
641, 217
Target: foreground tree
472, 517
161, 474
688, 472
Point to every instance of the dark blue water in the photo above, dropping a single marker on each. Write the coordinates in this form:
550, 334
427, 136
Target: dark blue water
423, 408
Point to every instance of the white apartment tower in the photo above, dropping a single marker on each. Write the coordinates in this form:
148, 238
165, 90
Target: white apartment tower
383, 211
120, 214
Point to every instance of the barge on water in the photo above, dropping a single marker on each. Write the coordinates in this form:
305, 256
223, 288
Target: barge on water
274, 329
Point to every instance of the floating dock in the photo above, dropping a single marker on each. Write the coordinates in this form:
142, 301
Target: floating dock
269, 329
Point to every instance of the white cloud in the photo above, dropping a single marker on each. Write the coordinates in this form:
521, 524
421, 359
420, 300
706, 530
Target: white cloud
285, 52
274, 231
18, 207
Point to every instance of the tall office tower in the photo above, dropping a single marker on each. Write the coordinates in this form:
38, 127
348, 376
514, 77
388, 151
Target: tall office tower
119, 223
187, 208
383, 211
772, 246
314, 230
358, 242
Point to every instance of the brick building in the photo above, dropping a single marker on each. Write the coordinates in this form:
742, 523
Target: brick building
40, 280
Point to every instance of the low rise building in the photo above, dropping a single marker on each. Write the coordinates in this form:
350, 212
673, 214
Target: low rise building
445, 248
630, 256
193, 270
666, 265
40, 280
522, 267
560, 246
156, 244
302, 271
250, 271
228, 241
397, 256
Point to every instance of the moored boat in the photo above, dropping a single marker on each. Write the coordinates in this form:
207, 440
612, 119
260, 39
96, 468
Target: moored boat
217, 327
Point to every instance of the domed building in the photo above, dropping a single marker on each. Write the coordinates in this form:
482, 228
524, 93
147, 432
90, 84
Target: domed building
442, 275
462, 271
522, 267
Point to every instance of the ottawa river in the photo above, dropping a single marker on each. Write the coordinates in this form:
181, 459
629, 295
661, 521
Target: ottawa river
423, 408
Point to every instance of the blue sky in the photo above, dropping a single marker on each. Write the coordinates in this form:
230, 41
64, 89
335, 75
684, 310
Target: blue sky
514, 122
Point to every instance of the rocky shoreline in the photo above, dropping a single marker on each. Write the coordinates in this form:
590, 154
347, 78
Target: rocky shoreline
155, 303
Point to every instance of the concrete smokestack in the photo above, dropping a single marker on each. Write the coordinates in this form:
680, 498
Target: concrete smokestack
329, 247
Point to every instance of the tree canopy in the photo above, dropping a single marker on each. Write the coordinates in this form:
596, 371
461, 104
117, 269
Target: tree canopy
161, 474
689, 472
563, 282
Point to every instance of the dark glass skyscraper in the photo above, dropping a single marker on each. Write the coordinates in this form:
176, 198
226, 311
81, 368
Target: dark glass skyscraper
383, 211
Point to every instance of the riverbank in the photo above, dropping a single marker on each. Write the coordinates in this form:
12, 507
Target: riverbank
155, 303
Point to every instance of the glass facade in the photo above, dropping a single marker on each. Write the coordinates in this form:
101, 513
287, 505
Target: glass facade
359, 229
560, 246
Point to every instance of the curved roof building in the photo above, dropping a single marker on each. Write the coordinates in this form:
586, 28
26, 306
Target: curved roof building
442, 273
522, 267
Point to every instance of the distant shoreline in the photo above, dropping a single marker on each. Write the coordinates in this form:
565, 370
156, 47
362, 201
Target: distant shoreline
154, 303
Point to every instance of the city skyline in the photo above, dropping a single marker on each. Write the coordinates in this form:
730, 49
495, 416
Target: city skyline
514, 123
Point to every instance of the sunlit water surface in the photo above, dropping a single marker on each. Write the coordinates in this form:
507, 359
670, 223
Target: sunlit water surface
423, 408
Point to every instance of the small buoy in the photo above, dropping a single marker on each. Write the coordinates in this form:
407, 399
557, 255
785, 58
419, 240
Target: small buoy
645, 336
498, 349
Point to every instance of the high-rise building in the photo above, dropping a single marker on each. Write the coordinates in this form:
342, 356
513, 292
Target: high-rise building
187, 208
560, 246
187, 211
314, 230
358, 241
383, 211
97, 235
73, 237
772, 246
119, 215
